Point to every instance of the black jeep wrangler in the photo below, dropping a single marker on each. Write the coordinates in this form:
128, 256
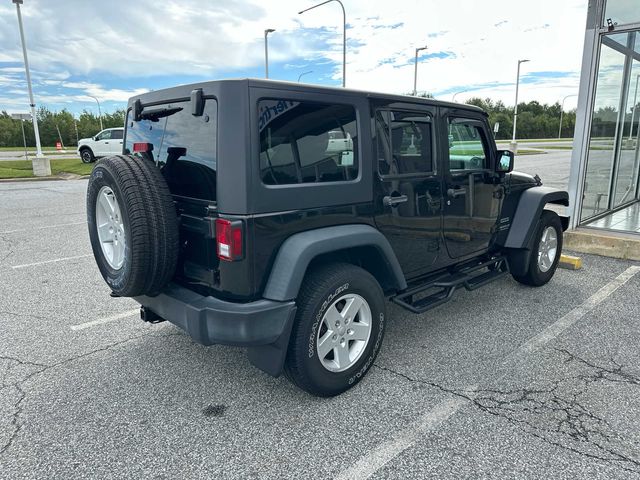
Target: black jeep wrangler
280, 217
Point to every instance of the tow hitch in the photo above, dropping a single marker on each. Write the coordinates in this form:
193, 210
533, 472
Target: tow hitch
150, 316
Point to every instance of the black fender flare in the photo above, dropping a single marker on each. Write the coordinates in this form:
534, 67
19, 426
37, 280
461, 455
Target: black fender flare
528, 212
300, 249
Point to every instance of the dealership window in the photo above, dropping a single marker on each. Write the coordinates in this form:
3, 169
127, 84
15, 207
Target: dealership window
304, 142
622, 12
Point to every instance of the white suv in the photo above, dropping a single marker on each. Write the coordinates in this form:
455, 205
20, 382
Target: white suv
108, 142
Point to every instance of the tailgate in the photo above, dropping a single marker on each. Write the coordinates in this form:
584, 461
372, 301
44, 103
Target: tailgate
184, 148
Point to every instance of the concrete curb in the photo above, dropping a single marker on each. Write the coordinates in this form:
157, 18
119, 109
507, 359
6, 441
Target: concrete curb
68, 176
604, 243
31, 179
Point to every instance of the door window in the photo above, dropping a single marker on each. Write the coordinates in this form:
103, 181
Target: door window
116, 134
104, 135
409, 143
467, 146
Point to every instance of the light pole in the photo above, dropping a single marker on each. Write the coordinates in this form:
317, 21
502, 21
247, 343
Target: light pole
344, 37
99, 111
457, 93
562, 111
303, 74
266, 52
633, 112
41, 165
415, 71
514, 145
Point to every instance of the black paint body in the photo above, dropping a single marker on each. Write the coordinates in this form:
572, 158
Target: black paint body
430, 231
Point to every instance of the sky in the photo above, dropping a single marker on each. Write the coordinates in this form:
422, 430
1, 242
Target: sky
115, 49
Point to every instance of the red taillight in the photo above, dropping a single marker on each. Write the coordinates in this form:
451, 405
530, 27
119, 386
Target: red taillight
228, 239
142, 147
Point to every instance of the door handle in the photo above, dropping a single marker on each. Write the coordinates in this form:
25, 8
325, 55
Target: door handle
456, 192
106, 143
393, 201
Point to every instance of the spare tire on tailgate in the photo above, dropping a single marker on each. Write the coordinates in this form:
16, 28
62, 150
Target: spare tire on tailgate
133, 225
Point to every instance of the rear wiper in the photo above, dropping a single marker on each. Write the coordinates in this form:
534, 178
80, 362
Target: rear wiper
154, 114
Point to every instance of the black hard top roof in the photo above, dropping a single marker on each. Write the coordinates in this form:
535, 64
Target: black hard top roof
181, 90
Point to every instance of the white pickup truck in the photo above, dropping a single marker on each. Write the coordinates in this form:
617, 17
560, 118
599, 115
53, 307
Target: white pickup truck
105, 144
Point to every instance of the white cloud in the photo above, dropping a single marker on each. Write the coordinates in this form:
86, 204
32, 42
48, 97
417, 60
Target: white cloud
71, 38
486, 40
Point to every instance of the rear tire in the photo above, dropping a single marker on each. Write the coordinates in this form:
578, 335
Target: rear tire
146, 219
545, 255
323, 362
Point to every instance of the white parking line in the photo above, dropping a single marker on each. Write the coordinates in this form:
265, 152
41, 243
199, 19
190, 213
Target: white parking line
101, 321
16, 267
552, 331
43, 227
431, 420
387, 451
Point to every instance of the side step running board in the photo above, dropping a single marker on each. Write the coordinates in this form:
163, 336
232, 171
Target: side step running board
445, 285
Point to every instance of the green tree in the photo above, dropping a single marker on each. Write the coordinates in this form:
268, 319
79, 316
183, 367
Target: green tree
535, 120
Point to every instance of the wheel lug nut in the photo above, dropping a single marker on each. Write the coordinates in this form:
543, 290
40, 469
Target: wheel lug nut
337, 323
334, 338
349, 332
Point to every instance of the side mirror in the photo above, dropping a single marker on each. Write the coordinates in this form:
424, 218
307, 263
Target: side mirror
505, 161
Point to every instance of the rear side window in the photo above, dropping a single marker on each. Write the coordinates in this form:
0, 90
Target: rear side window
116, 134
182, 145
304, 142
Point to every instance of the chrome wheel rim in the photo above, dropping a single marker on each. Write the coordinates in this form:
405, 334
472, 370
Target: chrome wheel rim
111, 234
548, 249
344, 333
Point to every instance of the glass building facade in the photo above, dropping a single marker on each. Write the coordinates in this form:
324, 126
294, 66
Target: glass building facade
605, 168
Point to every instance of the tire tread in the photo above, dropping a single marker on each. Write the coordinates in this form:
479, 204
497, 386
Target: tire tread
153, 228
318, 281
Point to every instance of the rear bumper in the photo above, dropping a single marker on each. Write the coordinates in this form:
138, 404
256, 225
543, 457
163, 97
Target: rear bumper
210, 320
264, 325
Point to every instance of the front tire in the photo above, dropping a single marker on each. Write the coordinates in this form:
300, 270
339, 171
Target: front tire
545, 255
338, 330
86, 155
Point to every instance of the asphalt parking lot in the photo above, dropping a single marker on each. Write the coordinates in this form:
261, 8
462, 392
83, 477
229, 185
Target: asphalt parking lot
502, 382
